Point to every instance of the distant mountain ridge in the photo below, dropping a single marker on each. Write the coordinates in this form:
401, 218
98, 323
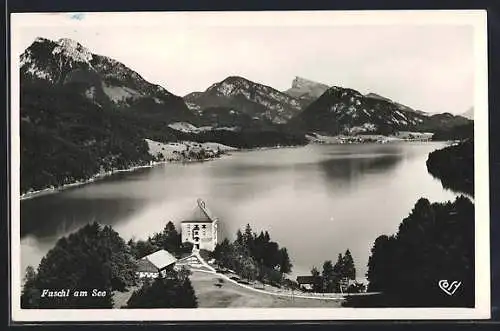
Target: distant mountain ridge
259, 101
343, 110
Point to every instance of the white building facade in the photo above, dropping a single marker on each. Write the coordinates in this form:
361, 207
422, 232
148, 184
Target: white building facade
202, 230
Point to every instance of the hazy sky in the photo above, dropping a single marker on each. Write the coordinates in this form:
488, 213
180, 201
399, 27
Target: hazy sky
426, 66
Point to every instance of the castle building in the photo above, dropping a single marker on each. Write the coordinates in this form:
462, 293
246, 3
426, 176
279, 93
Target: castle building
201, 231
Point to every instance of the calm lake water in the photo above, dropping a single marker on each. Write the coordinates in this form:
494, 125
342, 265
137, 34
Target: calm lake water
316, 200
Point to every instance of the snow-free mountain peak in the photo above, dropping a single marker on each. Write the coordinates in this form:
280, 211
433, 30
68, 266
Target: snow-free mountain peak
256, 100
306, 89
300, 82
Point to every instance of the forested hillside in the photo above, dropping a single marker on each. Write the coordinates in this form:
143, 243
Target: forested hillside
454, 166
435, 242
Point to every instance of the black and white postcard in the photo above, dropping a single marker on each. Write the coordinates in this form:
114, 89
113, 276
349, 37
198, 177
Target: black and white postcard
208, 166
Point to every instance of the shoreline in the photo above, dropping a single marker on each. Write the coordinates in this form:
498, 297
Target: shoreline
97, 177
269, 148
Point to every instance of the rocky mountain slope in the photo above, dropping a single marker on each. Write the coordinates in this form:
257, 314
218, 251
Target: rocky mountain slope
103, 81
306, 90
260, 102
344, 110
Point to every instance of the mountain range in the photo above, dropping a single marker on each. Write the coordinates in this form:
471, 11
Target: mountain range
83, 113
346, 111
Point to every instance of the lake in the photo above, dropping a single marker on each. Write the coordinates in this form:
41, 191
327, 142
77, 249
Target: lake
317, 200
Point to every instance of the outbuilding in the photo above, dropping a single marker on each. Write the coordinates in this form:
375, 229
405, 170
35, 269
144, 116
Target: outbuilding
155, 264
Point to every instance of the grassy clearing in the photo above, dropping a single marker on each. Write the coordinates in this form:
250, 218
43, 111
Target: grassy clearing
230, 295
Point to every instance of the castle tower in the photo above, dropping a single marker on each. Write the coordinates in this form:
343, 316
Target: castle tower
201, 230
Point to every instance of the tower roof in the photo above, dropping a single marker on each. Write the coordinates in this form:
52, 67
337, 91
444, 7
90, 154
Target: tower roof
205, 210
201, 214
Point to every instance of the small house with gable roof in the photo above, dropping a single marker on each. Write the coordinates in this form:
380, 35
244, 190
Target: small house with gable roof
155, 264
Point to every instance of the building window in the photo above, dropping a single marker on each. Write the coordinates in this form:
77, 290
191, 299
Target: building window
204, 226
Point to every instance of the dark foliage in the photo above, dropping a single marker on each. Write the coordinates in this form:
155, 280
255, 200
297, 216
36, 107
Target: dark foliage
172, 291
459, 132
169, 239
230, 117
254, 256
66, 138
94, 257
435, 242
334, 278
252, 138
317, 285
454, 166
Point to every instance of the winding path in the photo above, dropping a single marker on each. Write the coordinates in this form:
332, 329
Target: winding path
335, 296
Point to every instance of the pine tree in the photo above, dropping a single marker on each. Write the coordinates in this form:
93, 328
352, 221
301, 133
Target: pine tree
328, 276
285, 264
223, 253
349, 271
339, 266
248, 238
239, 238
338, 272
170, 238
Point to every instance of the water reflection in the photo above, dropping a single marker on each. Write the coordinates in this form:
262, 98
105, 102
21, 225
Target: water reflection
57, 214
348, 170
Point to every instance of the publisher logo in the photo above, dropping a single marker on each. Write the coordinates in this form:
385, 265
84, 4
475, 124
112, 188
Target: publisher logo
449, 288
